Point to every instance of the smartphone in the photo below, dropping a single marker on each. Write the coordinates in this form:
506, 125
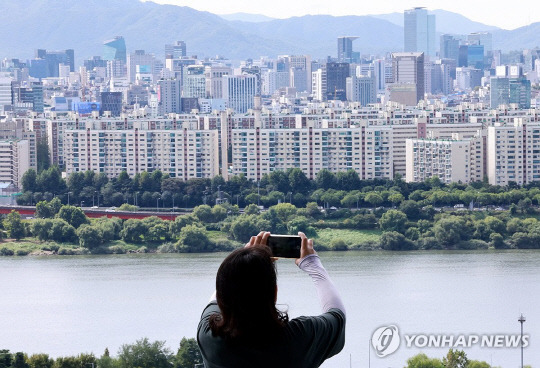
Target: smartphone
285, 246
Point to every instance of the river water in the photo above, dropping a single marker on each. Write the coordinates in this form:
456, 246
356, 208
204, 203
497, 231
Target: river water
72, 304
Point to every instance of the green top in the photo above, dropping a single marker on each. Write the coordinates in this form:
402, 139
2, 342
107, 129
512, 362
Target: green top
307, 342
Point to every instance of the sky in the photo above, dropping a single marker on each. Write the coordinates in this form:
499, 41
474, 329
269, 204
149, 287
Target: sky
503, 14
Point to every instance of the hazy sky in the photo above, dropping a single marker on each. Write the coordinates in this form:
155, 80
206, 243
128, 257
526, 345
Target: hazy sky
504, 14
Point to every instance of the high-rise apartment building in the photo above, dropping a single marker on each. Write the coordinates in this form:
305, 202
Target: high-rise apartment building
419, 31
451, 160
168, 94
194, 82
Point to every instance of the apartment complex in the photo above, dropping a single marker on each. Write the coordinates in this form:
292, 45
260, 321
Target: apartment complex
181, 153
451, 160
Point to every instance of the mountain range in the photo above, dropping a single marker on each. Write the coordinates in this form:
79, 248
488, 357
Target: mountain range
84, 25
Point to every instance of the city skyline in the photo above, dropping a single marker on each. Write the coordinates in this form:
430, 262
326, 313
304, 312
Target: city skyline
489, 13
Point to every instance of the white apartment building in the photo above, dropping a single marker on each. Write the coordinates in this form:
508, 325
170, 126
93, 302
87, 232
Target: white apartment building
181, 153
239, 91
15, 160
513, 152
453, 160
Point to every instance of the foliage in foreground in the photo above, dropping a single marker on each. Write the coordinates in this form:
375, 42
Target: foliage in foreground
453, 359
141, 354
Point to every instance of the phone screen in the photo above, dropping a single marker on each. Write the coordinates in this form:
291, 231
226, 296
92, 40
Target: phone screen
285, 246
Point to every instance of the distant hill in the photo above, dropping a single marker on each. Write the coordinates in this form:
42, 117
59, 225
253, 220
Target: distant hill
246, 17
447, 22
84, 25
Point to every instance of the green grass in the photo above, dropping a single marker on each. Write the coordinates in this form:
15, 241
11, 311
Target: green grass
349, 236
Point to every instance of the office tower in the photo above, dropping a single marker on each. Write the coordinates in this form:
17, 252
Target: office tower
379, 69
345, 49
168, 94
95, 62
5, 93
176, 50
442, 81
505, 90
419, 31
475, 56
50, 61
112, 102
481, 38
115, 49
239, 91
468, 78
116, 69
214, 80
194, 82
362, 89
27, 96
336, 80
463, 56
139, 57
449, 47
176, 67
408, 77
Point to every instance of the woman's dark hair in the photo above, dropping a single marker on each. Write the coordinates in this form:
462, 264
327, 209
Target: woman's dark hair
246, 286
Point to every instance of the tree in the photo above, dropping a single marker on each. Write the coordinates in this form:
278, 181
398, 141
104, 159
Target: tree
393, 220
284, 211
312, 209
73, 216
252, 209
188, 354
244, 227
373, 199
19, 361
5, 359
29, 180
301, 223
456, 359
219, 213
42, 154
181, 221
203, 213
338, 245
411, 208
325, 179
14, 226
133, 231
40, 361
423, 361
144, 354
392, 240
449, 230
89, 236
194, 239
396, 198
298, 181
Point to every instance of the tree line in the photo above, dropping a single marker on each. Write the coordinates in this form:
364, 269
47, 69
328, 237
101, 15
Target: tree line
343, 189
141, 354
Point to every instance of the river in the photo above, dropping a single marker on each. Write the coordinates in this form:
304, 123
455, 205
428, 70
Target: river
72, 304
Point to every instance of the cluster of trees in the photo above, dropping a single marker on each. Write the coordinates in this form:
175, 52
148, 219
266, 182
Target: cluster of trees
343, 189
453, 359
141, 354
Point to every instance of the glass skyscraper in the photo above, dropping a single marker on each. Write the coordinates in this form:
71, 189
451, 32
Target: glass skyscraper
419, 31
115, 49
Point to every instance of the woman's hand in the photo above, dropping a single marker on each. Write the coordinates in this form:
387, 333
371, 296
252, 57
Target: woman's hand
260, 239
306, 248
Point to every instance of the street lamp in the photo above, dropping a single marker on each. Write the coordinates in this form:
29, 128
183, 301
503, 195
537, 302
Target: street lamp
521, 320
82, 202
290, 197
157, 204
68, 197
97, 195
